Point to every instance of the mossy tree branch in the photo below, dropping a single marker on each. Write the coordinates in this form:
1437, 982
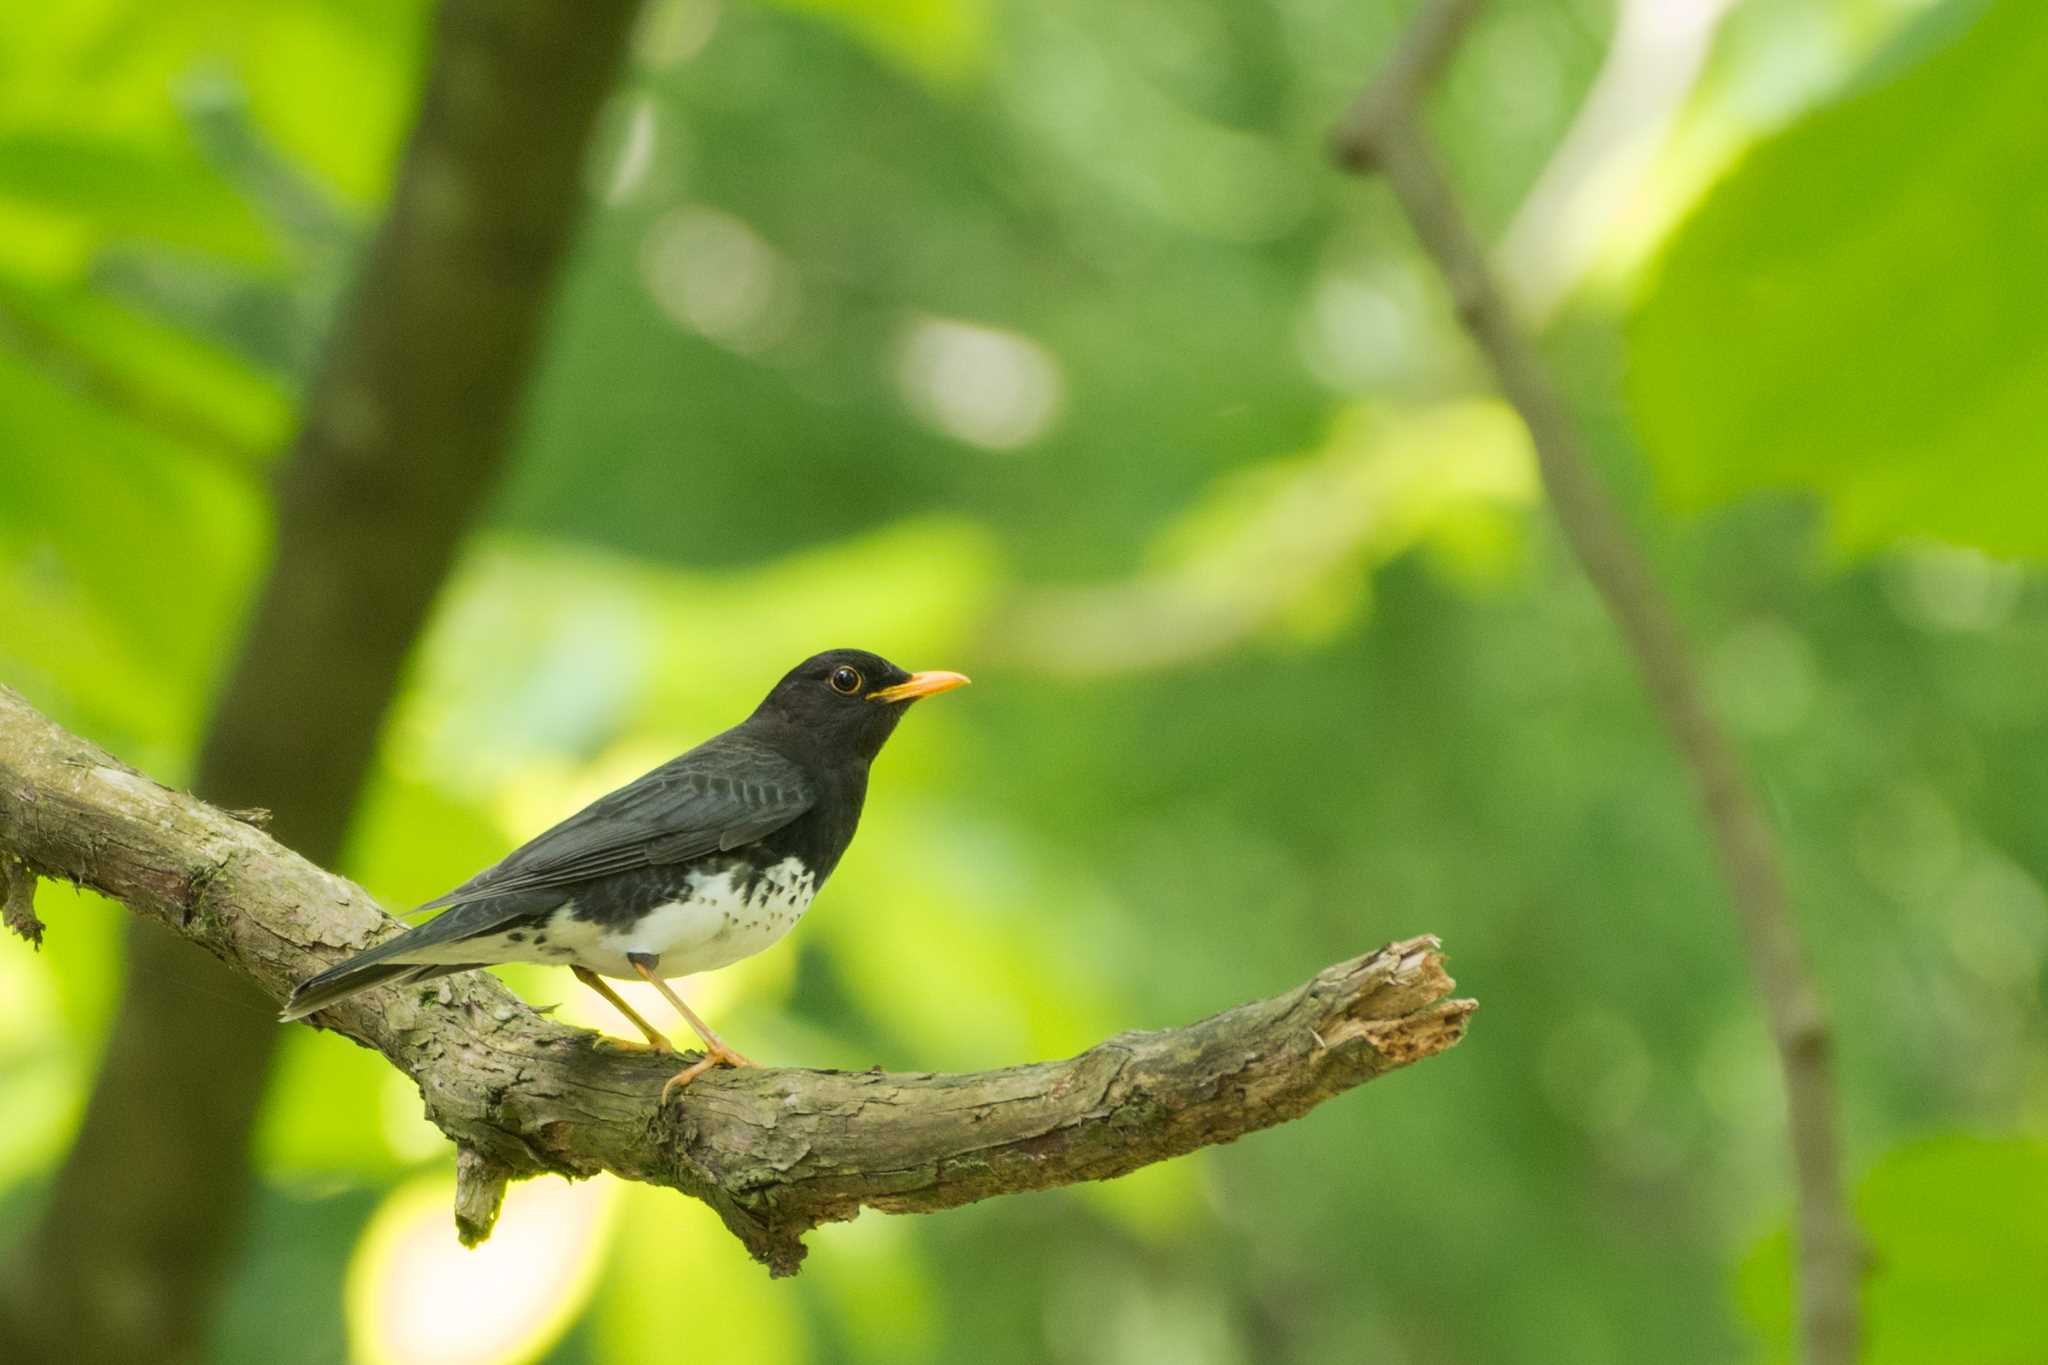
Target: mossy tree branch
775, 1151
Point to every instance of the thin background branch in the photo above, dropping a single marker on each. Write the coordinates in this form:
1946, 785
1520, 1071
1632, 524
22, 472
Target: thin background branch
1383, 133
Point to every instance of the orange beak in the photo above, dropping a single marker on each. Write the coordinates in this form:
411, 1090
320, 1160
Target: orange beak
921, 685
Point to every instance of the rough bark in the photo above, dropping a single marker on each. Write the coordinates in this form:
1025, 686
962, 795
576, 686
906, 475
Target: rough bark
775, 1151
404, 429
18, 900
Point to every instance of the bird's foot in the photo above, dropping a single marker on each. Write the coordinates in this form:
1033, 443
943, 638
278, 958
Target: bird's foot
655, 1043
719, 1055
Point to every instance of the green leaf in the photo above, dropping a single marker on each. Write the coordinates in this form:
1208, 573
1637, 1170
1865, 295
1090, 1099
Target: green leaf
1958, 1229
126, 188
123, 564
176, 384
1861, 309
943, 40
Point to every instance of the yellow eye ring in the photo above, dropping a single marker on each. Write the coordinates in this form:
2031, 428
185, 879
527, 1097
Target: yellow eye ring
846, 680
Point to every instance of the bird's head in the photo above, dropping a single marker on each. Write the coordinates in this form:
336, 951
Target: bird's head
849, 700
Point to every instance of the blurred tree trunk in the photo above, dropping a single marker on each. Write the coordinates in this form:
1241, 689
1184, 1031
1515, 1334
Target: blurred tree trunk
404, 429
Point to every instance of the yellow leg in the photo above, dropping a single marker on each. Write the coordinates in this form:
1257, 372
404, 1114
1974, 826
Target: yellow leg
716, 1052
655, 1039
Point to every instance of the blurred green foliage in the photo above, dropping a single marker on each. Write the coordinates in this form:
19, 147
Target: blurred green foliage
1862, 308
1959, 1233
1037, 340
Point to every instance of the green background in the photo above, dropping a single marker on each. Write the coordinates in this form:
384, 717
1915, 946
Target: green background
1038, 340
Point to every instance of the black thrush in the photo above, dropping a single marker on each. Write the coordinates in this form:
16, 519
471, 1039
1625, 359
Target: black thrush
710, 858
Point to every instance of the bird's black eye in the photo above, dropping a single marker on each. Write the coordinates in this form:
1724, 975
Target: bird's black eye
846, 680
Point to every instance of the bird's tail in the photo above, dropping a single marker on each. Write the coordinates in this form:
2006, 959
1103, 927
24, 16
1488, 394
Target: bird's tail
339, 983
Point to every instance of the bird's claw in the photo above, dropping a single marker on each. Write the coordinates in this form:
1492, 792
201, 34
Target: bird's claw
720, 1056
657, 1043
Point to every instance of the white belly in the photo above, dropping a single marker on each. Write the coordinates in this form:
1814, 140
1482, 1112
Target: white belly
715, 924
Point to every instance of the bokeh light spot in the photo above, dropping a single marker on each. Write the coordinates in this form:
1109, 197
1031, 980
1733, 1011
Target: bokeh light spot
715, 275
673, 31
416, 1296
995, 389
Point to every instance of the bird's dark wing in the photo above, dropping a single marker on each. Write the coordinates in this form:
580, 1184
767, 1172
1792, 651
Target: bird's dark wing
728, 791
